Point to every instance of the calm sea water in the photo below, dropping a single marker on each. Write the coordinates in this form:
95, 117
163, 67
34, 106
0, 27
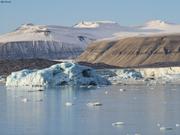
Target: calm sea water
141, 108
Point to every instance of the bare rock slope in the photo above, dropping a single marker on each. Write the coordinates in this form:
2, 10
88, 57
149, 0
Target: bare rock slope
8, 66
151, 51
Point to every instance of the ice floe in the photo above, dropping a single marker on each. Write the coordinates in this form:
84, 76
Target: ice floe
68, 103
94, 104
24, 100
67, 73
165, 128
117, 124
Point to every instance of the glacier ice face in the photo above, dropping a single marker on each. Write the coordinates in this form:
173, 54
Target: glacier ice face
60, 74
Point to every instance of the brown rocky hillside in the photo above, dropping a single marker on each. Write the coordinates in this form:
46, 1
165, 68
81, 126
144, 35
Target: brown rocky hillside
152, 51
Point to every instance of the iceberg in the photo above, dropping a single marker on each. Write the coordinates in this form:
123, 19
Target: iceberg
66, 73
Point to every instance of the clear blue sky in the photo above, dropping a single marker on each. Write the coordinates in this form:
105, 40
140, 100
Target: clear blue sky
68, 12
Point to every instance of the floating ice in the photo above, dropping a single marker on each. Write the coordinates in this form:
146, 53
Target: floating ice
94, 104
67, 73
117, 123
24, 100
68, 103
177, 125
106, 92
165, 128
122, 90
137, 134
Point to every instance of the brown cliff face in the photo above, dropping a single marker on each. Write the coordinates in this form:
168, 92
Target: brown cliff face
135, 52
8, 66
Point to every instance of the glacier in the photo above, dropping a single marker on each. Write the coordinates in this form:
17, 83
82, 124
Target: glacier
67, 73
161, 75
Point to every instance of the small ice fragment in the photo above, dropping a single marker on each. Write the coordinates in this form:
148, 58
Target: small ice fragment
94, 104
68, 104
106, 92
165, 128
137, 134
158, 124
122, 90
177, 125
117, 123
90, 86
24, 100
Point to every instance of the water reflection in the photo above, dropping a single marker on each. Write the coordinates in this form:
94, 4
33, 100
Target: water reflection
140, 107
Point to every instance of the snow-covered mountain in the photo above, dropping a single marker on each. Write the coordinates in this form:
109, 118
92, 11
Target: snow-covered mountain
97, 24
157, 24
58, 42
164, 27
50, 42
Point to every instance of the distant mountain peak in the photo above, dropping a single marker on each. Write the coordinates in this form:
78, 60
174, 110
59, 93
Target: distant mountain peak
31, 28
157, 23
90, 24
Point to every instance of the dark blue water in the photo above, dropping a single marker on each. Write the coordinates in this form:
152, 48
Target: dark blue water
141, 108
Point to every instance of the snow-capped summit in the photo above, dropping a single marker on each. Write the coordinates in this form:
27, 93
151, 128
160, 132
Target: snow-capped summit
157, 23
162, 26
96, 24
30, 28
85, 24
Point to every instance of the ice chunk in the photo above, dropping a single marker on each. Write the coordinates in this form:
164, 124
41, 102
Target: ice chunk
137, 134
106, 92
68, 103
94, 104
117, 124
122, 90
129, 73
67, 73
165, 128
24, 100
